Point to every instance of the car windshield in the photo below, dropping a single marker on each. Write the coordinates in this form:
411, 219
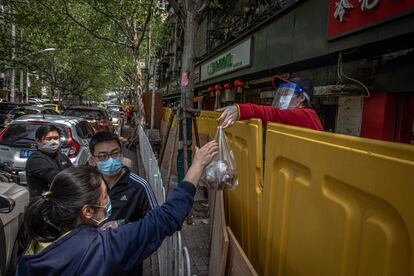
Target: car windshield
23, 134
4, 107
114, 113
24, 111
86, 114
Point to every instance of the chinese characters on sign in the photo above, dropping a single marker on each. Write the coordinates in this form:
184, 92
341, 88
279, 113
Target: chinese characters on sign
343, 5
346, 16
341, 8
368, 4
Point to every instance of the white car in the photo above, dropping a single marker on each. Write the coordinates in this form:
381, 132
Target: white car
13, 201
17, 140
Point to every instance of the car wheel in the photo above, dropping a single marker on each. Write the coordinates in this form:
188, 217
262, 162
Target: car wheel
20, 245
3, 178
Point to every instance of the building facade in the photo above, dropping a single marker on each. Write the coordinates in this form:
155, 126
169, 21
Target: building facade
359, 54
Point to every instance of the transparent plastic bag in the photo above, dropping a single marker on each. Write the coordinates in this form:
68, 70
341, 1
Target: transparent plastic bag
221, 173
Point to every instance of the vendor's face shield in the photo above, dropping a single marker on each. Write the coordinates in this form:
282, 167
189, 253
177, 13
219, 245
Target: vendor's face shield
288, 96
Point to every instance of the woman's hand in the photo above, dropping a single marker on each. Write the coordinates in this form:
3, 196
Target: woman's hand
202, 158
229, 116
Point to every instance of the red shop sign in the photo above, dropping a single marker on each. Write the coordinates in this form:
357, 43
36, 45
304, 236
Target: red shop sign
346, 16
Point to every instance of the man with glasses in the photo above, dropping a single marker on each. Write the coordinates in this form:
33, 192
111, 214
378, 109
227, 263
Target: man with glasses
131, 196
291, 105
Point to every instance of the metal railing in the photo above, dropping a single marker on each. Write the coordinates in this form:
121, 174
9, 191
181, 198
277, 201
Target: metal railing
172, 255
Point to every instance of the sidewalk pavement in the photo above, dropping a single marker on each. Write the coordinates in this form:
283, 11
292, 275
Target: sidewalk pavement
196, 237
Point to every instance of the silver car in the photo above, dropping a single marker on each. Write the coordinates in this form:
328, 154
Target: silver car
13, 201
17, 140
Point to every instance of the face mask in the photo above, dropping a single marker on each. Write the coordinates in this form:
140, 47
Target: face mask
110, 167
50, 146
108, 212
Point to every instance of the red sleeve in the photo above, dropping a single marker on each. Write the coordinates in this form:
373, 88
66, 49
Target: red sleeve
302, 117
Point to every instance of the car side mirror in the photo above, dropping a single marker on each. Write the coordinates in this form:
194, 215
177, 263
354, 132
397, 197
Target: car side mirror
6, 204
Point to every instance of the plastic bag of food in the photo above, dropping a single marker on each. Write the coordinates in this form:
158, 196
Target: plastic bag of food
221, 173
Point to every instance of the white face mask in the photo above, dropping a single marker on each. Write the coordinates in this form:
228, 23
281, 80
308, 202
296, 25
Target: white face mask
50, 146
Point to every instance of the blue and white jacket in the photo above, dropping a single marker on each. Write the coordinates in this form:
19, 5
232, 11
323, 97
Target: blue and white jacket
89, 251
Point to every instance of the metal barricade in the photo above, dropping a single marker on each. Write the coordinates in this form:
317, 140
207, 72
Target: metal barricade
179, 261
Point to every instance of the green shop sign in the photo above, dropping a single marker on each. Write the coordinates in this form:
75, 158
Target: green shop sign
220, 64
233, 59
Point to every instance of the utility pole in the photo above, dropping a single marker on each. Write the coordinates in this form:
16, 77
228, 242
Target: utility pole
13, 60
154, 74
148, 61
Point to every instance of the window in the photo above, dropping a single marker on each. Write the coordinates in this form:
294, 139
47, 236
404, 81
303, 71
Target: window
84, 130
23, 134
87, 114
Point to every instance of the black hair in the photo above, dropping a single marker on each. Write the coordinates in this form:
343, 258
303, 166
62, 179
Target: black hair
58, 210
307, 85
102, 136
42, 131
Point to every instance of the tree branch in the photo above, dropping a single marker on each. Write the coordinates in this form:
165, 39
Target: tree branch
109, 16
90, 31
147, 20
180, 13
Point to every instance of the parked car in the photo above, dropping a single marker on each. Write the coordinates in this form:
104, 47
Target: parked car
115, 107
96, 116
27, 110
13, 201
56, 107
17, 140
5, 108
117, 120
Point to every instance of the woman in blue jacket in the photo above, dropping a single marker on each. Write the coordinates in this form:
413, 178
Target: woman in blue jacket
63, 224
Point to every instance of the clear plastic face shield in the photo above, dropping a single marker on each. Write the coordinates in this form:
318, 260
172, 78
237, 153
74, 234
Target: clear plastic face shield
287, 95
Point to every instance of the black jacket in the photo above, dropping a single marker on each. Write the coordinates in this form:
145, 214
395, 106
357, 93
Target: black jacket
131, 198
41, 168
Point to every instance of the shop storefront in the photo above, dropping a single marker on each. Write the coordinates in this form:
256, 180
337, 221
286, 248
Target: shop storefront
359, 54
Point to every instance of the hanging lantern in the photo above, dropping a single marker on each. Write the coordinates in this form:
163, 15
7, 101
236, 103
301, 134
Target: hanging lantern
218, 89
211, 90
229, 94
239, 84
228, 87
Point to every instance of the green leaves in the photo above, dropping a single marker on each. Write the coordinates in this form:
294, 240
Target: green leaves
98, 42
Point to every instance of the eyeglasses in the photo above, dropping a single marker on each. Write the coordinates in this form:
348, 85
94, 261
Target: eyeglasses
105, 156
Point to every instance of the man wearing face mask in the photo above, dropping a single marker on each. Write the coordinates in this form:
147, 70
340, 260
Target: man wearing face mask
46, 162
291, 106
130, 195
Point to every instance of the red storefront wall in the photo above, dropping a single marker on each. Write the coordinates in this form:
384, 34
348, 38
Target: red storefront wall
388, 116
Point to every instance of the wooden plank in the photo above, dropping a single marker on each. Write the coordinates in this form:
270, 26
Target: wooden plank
237, 261
220, 240
212, 204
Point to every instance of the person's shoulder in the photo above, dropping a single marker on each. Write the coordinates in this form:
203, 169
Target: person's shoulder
141, 184
36, 157
136, 179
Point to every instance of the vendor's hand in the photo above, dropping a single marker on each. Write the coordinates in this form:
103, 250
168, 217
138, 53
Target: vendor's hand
202, 158
229, 116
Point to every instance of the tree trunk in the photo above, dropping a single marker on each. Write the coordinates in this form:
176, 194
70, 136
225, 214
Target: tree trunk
187, 72
138, 75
